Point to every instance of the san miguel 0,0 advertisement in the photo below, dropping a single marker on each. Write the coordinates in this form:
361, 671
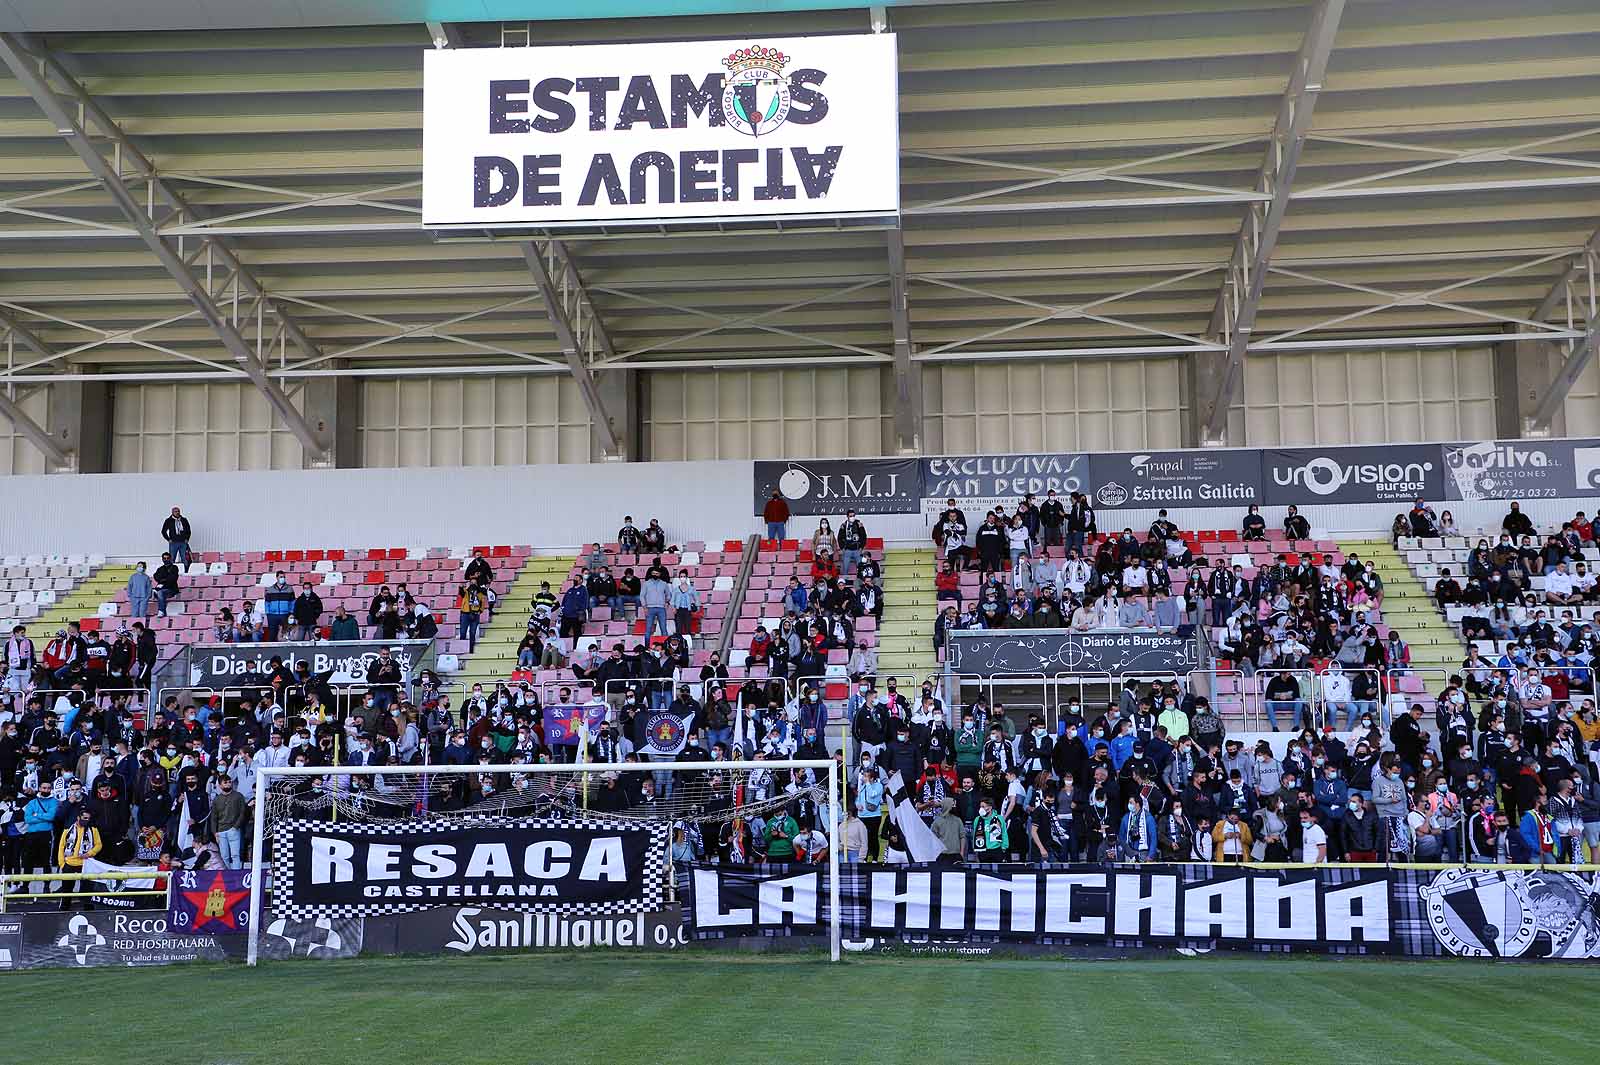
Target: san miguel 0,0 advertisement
751, 128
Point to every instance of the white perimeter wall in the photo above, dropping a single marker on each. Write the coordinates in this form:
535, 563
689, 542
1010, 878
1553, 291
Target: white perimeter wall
550, 507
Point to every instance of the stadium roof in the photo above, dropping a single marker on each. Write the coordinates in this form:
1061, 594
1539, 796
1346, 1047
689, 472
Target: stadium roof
1074, 182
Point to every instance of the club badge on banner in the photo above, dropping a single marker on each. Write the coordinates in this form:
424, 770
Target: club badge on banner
833, 486
754, 128
210, 902
561, 722
551, 864
981, 482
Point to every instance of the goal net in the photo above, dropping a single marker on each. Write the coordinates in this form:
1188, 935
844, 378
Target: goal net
346, 841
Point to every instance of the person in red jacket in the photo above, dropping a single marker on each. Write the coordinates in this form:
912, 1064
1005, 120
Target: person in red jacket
776, 515
948, 584
824, 568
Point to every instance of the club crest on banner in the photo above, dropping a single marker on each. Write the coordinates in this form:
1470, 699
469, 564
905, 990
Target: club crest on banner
666, 732
755, 96
1506, 914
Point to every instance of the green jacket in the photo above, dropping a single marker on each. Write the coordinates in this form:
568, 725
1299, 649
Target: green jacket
969, 747
989, 834
781, 847
344, 628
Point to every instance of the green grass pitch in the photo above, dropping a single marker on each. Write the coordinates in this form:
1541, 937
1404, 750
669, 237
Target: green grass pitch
706, 1009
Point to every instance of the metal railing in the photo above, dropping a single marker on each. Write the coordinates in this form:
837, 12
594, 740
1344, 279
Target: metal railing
8, 896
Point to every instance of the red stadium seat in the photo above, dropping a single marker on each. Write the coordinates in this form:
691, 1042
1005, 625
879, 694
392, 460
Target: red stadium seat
375, 576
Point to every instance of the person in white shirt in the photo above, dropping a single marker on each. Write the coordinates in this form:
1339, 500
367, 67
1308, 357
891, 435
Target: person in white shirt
1075, 576
275, 755
1313, 840
1106, 612
1135, 578
1559, 588
1336, 694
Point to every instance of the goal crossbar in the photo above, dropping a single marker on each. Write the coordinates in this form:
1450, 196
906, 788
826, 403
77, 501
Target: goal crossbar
265, 775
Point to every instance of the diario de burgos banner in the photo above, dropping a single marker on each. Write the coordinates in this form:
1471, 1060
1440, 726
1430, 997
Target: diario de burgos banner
751, 128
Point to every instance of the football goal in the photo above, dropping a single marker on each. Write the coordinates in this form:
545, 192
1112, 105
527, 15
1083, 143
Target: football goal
576, 839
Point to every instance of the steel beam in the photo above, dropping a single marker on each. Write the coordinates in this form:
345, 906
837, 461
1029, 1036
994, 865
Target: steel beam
1574, 298
33, 66
578, 330
1234, 316
12, 412
36, 435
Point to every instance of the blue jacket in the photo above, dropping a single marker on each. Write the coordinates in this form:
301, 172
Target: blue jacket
1331, 796
869, 799
279, 601
1148, 851
1528, 831
139, 585
40, 814
575, 602
1122, 749
795, 599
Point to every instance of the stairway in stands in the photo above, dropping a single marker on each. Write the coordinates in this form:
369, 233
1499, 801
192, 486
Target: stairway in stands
82, 603
905, 637
496, 656
1436, 647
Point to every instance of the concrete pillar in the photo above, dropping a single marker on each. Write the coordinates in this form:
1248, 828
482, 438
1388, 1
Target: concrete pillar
1523, 372
620, 396
80, 419
333, 407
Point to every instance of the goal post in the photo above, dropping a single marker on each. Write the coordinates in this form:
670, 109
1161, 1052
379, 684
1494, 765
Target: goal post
401, 794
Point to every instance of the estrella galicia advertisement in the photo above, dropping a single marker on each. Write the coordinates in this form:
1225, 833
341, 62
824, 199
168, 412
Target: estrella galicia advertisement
1144, 479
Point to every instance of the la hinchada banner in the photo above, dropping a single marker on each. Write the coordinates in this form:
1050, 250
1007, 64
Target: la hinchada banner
1471, 911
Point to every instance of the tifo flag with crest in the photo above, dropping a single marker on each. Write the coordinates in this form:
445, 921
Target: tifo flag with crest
561, 722
210, 902
666, 732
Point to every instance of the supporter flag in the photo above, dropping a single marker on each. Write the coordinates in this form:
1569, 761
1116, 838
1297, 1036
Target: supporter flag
666, 733
921, 843
105, 889
561, 722
210, 902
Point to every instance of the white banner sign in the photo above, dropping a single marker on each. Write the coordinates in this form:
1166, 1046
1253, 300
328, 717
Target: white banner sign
766, 127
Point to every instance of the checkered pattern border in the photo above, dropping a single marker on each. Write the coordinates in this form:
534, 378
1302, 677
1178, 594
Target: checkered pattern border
653, 879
